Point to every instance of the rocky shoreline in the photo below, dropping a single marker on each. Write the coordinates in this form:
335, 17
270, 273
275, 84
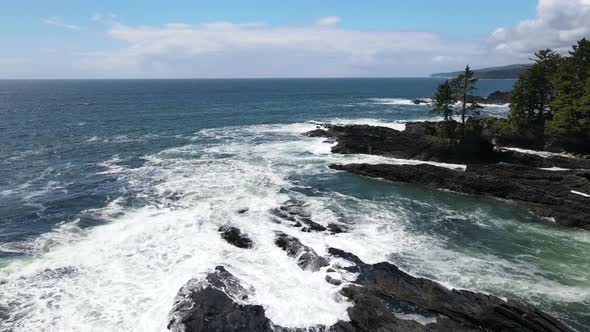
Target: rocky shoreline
379, 296
553, 186
382, 297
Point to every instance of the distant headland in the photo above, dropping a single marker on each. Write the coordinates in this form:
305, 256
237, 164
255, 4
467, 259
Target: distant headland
503, 72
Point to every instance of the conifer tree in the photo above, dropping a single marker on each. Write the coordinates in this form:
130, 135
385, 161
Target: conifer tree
464, 86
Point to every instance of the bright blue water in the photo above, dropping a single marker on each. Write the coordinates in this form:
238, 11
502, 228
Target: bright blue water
81, 158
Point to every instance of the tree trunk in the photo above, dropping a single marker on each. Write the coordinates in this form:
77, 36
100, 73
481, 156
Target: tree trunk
463, 116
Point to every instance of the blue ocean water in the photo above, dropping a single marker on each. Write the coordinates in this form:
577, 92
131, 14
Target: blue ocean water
111, 193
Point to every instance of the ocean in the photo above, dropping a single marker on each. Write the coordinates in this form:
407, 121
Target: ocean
112, 193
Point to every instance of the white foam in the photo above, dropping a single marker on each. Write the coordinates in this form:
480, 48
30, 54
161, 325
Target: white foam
580, 193
129, 270
398, 101
544, 154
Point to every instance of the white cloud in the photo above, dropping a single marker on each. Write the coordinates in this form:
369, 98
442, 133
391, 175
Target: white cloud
58, 21
328, 20
558, 24
226, 49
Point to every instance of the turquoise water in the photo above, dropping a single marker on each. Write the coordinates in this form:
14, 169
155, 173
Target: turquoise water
111, 193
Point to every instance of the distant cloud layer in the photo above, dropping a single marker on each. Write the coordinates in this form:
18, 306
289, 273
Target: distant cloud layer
320, 48
226, 49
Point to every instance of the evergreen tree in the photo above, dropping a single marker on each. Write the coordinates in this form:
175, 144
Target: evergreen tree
443, 100
534, 91
464, 85
570, 83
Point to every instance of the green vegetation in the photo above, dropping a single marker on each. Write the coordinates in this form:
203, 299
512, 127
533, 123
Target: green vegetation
444, 100
463, 85
549, 106
458, 89
553, 95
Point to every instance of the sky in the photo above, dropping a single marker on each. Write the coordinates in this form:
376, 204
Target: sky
269, 38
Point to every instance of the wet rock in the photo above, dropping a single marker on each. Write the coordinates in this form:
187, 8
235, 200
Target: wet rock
333, 281
420, 101
470, 309
295, 214
214, 305
548, 193
234, 236
369, 314
311, 226
420, 140
337, 228
306, 257
428, 141
318, 133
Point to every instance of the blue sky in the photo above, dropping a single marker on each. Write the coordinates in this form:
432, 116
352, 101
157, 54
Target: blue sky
86, 39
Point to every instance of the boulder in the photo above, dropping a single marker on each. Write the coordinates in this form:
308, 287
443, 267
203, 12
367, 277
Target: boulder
214, 305
234, 236
306, 257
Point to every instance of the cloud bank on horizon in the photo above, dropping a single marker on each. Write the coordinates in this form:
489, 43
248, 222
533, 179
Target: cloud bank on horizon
321, 48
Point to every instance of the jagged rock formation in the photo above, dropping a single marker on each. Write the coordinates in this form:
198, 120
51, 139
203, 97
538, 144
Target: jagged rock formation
306, 257
220, 303
234, 236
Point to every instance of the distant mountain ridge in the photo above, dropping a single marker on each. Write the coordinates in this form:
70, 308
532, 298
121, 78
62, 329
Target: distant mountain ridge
503, 72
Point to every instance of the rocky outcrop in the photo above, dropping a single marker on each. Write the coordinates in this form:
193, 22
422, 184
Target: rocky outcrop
369, 314
294, 213
461, 309
221, 303
234, 236
554, 194
216, 305
498, 97
306, 257
424, 141
413, 143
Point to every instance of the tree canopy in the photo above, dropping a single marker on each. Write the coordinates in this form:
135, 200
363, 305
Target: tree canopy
554, 92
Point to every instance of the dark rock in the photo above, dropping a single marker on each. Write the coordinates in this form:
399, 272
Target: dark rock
318, 133
311, 226
470, 309
337, 228
420, 140
242, 211
212, 305
369, 314
548, 193
306, 257
333, 281
234, 236
294, 213
498, 97
420, 101
424, 141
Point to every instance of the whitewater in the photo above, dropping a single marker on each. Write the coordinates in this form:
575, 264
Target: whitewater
123, 276
188, 158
